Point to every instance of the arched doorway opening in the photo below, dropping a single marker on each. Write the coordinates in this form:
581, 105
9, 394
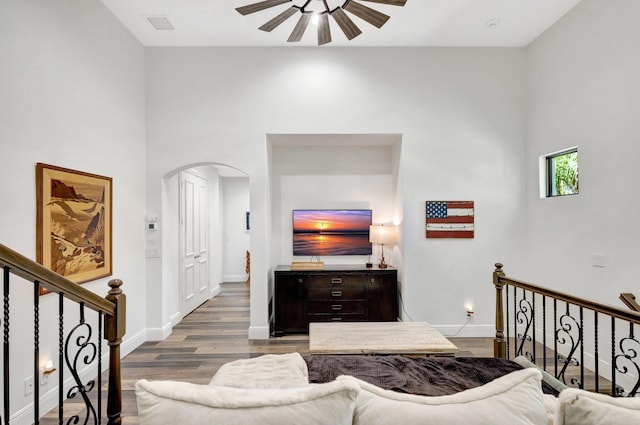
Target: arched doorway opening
204, 241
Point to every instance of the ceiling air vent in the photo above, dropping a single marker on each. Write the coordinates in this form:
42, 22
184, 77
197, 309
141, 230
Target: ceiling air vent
160, 22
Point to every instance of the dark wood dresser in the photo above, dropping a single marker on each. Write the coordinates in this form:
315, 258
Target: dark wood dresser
335, 293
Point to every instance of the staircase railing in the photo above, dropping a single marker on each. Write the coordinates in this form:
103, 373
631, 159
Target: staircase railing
583, 343
77, 349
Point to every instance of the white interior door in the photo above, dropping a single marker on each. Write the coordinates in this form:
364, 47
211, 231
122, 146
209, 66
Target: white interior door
194, 242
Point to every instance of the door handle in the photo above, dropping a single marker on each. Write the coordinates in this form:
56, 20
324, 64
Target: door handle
195, 257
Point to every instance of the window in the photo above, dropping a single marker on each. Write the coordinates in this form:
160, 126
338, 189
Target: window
561, 173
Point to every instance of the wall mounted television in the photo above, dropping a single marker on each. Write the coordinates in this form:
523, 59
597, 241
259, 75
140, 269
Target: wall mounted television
331, 232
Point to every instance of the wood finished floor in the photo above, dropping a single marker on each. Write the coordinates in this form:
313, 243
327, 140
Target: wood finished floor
214, 334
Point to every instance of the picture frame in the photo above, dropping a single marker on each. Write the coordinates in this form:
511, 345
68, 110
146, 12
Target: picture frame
74, 223
450, 219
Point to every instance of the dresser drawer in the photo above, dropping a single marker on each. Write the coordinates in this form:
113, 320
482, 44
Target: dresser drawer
336, 292
338, 317
337, 307
335, 279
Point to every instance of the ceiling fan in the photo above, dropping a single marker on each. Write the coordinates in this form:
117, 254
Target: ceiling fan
321, 15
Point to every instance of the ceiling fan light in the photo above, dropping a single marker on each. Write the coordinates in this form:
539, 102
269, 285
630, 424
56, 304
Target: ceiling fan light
321, 19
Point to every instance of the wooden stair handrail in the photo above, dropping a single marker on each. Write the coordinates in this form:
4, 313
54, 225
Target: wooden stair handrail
631, 316
32, 271
630, 301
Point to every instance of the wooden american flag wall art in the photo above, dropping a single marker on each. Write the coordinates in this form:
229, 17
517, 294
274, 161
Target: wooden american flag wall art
450, 219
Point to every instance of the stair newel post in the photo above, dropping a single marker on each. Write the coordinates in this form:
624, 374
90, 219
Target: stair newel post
114, 330
499, 343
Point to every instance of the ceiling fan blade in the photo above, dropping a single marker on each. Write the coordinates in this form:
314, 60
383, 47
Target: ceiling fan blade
375, 18
345, 23
272, 24
256, 7
324, 32
391, 2
301, 26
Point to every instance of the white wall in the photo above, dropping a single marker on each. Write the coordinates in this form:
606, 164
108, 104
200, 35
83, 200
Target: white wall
584, 90
235, 239
460, 114
331, 172
72, 90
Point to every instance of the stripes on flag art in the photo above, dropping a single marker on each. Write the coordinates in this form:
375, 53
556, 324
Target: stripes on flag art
450, 219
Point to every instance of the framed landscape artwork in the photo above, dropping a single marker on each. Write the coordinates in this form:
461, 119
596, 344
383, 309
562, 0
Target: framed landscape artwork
73, 222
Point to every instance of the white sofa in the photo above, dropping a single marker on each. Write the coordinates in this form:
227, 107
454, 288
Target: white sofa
275, 389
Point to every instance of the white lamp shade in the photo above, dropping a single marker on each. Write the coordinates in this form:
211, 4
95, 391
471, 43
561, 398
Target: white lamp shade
384, 235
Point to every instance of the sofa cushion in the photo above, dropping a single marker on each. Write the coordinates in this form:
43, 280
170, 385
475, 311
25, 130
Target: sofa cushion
170, 403
267, 371
514, 399
551, 403
586, 408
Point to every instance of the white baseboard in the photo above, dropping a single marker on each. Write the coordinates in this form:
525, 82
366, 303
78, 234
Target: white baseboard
159, 334
258, 332
214, 291
235, 278
174, 319
130, 343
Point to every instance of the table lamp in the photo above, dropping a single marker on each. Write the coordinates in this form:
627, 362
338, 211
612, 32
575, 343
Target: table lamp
381, 235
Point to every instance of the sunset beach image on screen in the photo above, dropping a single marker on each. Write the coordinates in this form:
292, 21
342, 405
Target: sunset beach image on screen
331, 232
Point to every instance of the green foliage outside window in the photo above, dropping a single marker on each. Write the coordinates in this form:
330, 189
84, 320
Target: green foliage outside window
563, 177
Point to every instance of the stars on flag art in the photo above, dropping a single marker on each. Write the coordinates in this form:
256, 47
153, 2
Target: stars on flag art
450, 219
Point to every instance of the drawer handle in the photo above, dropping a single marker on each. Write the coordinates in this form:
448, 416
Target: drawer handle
336, 293
336, 319
336, 307
336, 280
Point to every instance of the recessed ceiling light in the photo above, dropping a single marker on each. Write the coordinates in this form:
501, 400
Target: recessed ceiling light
493, 23
160, 22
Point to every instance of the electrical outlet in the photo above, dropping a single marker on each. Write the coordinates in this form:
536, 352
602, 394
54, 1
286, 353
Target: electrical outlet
28, 385
469, 311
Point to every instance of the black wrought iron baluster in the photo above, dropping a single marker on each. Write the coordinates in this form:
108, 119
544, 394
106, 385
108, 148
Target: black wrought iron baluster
5, 326
613, 356
596, 351
629, 349
36, 352
565, 334
524, 317
533, 324
555, 340
506, 305
515, 322
86, 353
60, 358
581, 331
99, 367
544, 332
